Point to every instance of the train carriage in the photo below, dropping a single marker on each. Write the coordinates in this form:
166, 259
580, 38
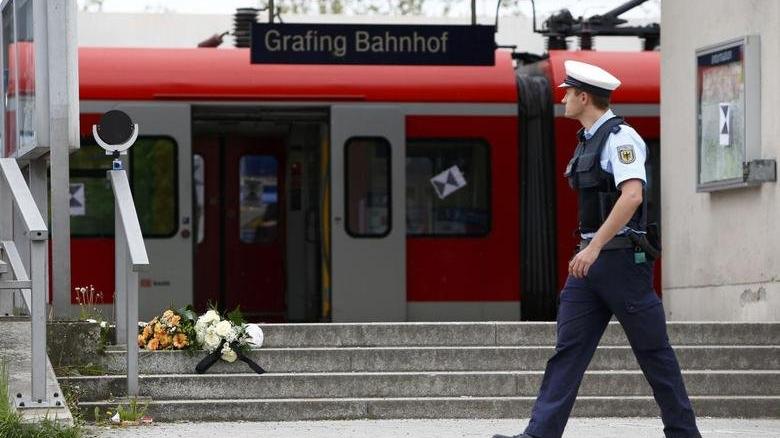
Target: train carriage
303, 193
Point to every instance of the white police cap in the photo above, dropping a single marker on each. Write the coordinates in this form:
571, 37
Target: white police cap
590, 78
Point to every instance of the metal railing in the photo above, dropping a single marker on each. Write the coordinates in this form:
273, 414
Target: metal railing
34, 287
128, 242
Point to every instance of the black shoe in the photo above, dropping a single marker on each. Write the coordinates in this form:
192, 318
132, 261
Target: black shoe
522, 435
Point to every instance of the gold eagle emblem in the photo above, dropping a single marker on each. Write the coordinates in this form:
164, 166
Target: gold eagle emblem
626, 154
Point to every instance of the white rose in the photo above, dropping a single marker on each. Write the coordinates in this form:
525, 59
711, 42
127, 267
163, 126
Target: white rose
103, 324
223, 328
200, 333
211, 340
228, 355
210, 316
255, 333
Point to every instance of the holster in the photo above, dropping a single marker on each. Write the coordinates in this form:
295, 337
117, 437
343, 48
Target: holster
640, 240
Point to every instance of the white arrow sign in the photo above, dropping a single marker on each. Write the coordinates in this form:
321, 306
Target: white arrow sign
448, 182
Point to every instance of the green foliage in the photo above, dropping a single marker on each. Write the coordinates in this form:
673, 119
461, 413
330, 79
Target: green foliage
236, 317
87, 369
105, 331
12, 426
188, 312
72, 394
133, 412
5, 399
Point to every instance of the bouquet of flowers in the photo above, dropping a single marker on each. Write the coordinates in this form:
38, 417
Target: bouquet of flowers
227, 338
173, 330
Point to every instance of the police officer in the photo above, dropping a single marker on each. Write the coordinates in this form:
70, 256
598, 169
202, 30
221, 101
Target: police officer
610, 274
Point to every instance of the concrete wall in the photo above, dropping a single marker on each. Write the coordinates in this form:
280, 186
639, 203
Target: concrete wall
722, 249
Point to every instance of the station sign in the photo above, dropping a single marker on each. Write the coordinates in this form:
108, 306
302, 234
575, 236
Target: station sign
406, 44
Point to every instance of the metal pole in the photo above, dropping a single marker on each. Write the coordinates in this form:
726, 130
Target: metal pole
473, 12
6, 233
271, 11
120, 280
63, 91
40, 192
38, 249
129, 240
132, 332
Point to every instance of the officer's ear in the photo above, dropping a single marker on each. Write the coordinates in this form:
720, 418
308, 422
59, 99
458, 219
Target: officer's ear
582, 96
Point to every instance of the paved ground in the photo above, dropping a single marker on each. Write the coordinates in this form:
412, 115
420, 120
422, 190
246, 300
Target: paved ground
577, 428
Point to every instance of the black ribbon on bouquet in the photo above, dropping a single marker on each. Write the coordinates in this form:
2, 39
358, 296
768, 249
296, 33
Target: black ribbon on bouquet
214, 356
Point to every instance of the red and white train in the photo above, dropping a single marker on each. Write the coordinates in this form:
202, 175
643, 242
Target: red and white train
302, 193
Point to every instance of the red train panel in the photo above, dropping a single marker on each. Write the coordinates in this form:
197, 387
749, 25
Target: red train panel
465, 268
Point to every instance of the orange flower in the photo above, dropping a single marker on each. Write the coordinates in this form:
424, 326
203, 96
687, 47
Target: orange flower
154, 344
168, 314
147, 332
141, 341
174, 320
180, 340
158, 328
165, 341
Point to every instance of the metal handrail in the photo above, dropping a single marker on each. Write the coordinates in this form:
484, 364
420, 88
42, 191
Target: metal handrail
128, 239
35, 300
31, 216
130, 225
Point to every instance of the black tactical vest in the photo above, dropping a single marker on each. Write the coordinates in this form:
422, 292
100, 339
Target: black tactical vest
595, 186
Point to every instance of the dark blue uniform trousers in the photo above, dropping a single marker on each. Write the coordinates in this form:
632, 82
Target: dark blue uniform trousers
615, 284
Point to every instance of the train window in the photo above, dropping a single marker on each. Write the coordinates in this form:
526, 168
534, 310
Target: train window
92, 202
259, 199
466, 211
367, 164
94, 216
153, 178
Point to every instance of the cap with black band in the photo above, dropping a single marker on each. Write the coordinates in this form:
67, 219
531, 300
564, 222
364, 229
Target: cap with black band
589, 78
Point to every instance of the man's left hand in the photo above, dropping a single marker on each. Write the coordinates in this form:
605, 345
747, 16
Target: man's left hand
581, 263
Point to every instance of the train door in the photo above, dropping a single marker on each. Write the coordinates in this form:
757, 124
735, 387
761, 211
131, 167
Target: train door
253, 227
241, 237
368, 213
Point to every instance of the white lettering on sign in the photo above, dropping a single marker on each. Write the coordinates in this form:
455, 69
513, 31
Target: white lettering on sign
387, 43
311, 41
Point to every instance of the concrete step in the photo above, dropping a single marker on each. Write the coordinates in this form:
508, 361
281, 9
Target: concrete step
434, 384
345, 359
433, 407
499, 333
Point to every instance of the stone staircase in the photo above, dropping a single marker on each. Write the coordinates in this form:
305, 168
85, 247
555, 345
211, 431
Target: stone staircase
442, 370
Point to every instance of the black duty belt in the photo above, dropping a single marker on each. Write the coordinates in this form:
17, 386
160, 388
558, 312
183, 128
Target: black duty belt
617, 242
